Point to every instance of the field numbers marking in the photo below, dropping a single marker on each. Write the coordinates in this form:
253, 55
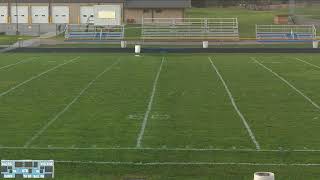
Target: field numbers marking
146, 115
244, 121
288, 83
308, 63
160, 116
37, 76
27, 144
135, 116
152, 116
19, 62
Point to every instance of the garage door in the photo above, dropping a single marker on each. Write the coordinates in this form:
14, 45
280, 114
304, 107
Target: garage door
60, 14
22, 16
86, 14
3, 14
40, 14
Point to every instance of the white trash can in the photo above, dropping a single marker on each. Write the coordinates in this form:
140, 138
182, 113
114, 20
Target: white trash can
315, 44
205, 44
123, 44
263, 176
137, 49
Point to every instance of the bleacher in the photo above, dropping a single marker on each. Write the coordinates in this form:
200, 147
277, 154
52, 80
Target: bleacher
205, 28
91, 32
285, 33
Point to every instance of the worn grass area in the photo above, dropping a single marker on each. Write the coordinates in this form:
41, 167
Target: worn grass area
167, 116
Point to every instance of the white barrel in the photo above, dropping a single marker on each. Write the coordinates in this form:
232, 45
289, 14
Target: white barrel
123, 44
315, 44
205, 44
137, 49
263, 176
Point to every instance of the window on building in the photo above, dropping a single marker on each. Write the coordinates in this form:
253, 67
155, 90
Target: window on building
146, 10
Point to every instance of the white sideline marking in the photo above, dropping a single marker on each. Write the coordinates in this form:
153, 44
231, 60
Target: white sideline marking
288, 83
308, 63
236, 107
19, 62
146, 116
185, 163
130, 148
68, 106
50, 147
37, 76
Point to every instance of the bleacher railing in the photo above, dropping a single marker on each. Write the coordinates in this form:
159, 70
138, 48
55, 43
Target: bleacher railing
210, 28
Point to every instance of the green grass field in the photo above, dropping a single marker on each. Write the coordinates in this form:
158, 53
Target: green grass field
165, 116
8, 39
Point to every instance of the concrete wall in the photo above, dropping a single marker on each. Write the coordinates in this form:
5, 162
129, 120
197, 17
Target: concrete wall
170, 13
138, 14
30, 30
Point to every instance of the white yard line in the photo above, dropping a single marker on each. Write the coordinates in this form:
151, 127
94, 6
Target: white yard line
69, 105
308, 63
19, 62
36, 76
185, 163
288, 83
146, 116
159, 149
244, 121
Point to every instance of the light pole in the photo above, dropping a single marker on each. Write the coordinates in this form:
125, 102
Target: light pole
17, 18
292, 5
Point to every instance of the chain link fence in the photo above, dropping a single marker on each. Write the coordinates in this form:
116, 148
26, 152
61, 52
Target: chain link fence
31, 29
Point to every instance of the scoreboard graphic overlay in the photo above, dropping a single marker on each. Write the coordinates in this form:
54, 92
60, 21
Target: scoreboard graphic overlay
27, 169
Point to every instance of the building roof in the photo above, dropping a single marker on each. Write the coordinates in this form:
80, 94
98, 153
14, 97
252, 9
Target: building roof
157, 3
127, 3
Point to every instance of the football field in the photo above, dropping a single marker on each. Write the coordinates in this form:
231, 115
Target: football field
163, 116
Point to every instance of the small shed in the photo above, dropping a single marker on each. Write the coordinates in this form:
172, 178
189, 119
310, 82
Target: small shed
281, 19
